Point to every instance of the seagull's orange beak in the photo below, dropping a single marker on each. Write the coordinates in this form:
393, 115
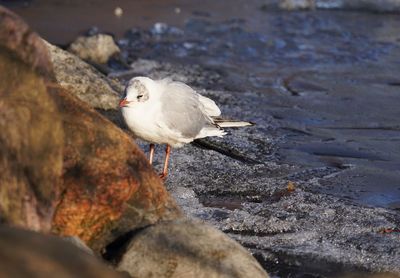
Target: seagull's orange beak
123, 102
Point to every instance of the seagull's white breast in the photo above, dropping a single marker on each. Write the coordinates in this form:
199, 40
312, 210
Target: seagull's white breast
141, 119
145, 121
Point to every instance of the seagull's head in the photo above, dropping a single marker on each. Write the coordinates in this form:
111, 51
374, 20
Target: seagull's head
137, 91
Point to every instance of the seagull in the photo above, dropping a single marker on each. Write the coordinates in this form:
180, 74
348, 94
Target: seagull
172, 113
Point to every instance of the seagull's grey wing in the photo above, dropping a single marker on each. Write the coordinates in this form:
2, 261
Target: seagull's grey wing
182, 111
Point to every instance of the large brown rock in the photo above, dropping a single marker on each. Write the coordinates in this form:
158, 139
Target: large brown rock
31, 135
29, 254
187, 249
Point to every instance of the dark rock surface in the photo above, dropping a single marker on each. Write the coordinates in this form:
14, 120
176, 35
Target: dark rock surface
313, 186
28, 254
187, 249
31, 135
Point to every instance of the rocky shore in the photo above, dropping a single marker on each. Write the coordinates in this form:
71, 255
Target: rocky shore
292, 196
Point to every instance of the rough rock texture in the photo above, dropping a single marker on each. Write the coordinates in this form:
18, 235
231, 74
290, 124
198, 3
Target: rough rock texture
28, 254
31, 136
83, 80
97, 48
187, 249
110, 187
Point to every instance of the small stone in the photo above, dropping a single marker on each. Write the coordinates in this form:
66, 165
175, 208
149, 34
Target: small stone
297, 4
159, 28
98, 48
188, 45
118, 11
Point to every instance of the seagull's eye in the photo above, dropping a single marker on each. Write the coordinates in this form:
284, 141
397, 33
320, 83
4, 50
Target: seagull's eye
139, 97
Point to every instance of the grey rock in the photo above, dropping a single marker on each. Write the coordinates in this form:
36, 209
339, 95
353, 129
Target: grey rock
83, 80
98, 48
187, 249
79, 243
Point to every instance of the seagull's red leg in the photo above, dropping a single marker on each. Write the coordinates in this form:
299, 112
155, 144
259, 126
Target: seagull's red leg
151, 154
165, 170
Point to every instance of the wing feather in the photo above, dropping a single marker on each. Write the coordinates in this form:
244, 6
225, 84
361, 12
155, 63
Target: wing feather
182, 109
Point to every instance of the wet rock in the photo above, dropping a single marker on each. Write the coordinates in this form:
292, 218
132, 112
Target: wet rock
369, 5
159, 28
299, 227
97, 49
28, 254
162, 29
110, 188
83, 80
31, 137
189, 249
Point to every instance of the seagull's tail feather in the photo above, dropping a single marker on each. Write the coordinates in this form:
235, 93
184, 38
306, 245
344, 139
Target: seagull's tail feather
230, 123
211, 131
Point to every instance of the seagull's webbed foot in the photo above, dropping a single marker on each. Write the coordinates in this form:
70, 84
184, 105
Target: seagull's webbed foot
163, 176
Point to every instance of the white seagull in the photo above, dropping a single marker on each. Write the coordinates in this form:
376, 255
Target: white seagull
171, 113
